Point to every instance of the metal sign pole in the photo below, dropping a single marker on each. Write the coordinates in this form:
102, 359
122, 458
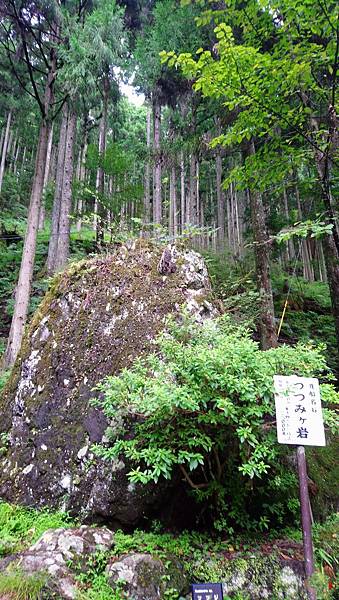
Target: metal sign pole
305, 519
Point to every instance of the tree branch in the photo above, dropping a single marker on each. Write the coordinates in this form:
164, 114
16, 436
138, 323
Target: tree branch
195, 486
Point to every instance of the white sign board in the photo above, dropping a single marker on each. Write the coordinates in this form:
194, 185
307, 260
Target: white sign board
298, 411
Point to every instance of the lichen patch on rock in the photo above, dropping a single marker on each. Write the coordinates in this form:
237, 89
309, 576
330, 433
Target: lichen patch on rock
96, 319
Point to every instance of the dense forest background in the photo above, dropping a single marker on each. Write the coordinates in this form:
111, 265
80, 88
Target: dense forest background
227, 143
235, 146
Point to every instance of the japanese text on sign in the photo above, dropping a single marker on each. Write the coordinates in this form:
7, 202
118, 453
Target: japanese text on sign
207, 591
298, 411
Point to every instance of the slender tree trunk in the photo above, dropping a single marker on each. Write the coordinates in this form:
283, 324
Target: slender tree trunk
173, 223
5, 148
308, 272
9, 145
157, 201
2, 140
23, 288
229, 205
62, 253
100, 183
16, 158
23, 161
330, 242
82, 177
290, 243
238, 225
52, 169
192, 212
266, 325
147, 193
27, 263
332, 268
53, 242
46, 175
220, 203
182, 191
13, 153
220, 194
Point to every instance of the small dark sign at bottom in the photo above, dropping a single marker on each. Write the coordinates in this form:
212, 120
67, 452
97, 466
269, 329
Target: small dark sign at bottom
207, 591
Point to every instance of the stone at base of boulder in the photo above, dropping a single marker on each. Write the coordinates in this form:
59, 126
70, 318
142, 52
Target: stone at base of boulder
144, 577
62, 553
54, 552
255, 577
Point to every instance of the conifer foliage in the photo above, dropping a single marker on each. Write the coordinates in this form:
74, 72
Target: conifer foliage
235, 146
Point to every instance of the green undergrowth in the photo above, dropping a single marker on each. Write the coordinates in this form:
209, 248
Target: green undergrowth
203, 556
19, 586
308, 316
233, 283
20, 526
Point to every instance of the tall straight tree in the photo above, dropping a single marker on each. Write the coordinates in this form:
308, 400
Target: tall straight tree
278, 73
157, 191
53, 242
4, 147
100, 182
63, 237
22, 21
92, 44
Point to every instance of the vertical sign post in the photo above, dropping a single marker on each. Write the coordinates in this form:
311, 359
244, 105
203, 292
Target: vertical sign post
300, 422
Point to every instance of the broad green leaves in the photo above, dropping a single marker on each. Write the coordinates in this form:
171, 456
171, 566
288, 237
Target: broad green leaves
202, 406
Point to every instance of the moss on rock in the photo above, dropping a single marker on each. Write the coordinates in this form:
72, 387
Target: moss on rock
255, 576
97, 317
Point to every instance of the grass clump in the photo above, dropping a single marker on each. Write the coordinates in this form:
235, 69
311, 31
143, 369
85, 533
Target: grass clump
15, 585
20, 526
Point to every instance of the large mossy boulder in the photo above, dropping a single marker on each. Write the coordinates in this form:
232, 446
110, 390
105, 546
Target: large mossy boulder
98, 316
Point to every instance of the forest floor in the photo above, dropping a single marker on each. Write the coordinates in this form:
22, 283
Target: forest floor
21, 527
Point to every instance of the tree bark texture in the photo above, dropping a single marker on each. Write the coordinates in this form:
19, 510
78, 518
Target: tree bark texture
46, 176
157, 200
5, 148
182, 192
53, 241
266, 325
2, 137
82, 177
220, 203
173, 220
27, 263
62, 252
192, 204
147, 192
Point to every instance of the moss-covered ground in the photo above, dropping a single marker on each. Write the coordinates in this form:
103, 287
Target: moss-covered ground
205, 557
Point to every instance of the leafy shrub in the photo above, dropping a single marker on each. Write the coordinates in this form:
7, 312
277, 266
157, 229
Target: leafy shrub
205, 407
